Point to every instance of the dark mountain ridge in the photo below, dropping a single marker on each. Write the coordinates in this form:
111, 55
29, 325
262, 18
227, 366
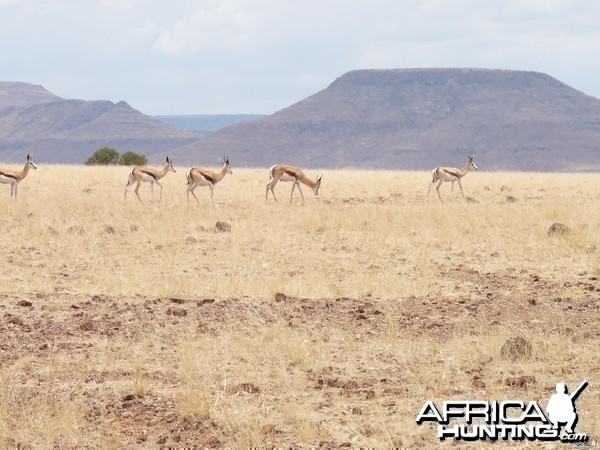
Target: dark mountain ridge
33, 120
419, 118
386, 119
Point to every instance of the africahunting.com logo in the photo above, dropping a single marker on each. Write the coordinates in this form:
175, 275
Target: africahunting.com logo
473, 420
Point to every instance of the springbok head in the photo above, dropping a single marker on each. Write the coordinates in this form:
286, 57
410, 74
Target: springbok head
471, 163
170, 164
225, 162
30, 162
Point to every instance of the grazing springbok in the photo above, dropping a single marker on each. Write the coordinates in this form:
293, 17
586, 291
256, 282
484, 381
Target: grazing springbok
198, 176
441, 174
139, 174
282, 172
14, 178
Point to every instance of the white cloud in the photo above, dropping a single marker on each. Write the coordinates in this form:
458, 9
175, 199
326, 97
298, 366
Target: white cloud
207, 52
221, 25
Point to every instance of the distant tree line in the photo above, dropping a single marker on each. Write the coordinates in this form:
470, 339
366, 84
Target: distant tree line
108, 156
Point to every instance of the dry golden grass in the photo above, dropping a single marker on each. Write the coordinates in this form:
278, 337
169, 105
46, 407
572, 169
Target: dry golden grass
392, 298
368, 233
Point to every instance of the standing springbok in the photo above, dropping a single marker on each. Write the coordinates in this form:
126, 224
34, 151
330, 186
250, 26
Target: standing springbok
139, 174
198, 176
441, 174
14, 178
282, 172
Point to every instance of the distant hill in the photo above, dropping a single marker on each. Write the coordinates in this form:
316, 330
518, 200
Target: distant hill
395, 119
33, 120
419, 118
206, 123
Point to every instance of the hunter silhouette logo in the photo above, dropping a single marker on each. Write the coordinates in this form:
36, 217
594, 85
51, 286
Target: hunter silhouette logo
472, 420
561, 407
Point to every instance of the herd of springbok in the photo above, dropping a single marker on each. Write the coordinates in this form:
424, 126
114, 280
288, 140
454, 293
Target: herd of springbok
198, 176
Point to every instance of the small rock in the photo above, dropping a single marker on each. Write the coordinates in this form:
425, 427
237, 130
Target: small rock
25, 303
223, 227
108, 229
13, 319
558, 228
177, 312
516, 348
190, 240
478, 383
87, 325
280, 297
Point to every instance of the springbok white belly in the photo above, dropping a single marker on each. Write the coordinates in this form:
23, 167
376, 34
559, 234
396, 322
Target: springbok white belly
286, 177
202, 181
449, 177
7, 180
146, 177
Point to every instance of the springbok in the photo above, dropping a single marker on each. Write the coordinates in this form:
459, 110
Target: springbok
14, 178
282, 172
139, 174
442, 174
198, 176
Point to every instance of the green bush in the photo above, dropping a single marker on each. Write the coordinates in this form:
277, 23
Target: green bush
132, 159
108, 156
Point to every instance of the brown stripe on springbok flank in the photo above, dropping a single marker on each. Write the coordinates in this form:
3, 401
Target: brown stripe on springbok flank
289, 173
147, 172
8, 175
208, 176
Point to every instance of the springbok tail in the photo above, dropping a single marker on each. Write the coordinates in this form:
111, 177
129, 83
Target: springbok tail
271, 172
130, 179
434, 176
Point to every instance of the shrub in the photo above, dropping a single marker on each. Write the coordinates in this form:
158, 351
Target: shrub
108, 156
104, 157
132, 159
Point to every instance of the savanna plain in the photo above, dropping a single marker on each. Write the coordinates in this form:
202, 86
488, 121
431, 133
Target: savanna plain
326, 324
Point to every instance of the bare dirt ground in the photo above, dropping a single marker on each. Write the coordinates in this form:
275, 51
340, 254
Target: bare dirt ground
352, 389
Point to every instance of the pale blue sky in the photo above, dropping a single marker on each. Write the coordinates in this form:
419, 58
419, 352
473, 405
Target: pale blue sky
259, 56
